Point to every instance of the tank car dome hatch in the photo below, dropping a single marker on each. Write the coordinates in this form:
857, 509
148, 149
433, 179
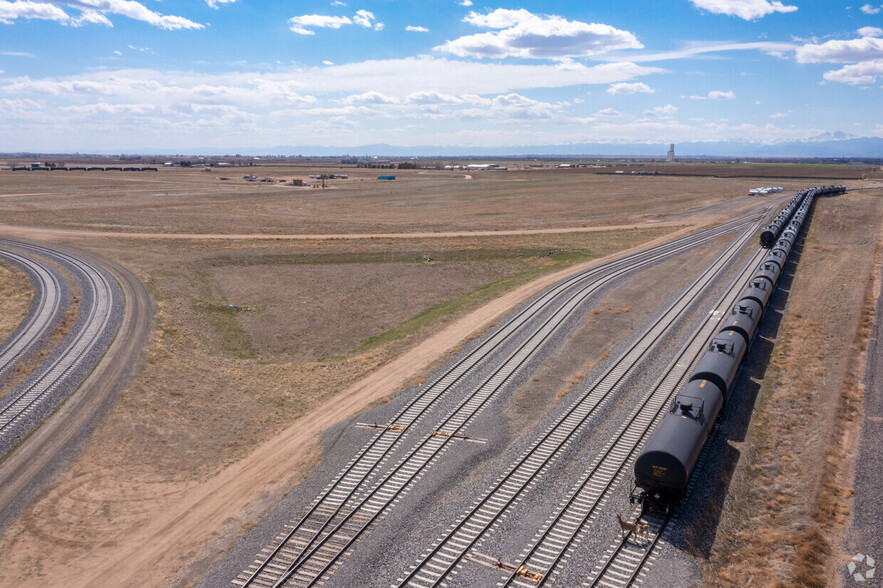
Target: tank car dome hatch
722, 360
760, 290
744, 318
776, 256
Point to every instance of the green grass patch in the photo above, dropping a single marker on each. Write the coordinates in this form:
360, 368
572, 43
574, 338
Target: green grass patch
473, 299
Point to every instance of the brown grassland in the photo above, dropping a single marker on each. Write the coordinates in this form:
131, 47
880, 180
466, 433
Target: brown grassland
250, 335
16, 294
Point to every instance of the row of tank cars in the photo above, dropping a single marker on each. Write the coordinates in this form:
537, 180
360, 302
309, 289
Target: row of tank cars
663, 468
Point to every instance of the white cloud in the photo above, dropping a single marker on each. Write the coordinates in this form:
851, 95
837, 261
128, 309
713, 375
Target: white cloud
414, 29
466, 3
326, 62
868, 9
423, 97
520, 33
666, 111
858, 74
363, 18
870, 32
715, 95
608, 113
217, 3
781, 114
855, 50
90, 12
744, 9
701, 48
304, 24
338, 3
16, 54
370, 97
630, 88
299, 23
11, 11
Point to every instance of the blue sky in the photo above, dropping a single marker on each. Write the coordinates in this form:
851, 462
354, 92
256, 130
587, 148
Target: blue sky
81, 75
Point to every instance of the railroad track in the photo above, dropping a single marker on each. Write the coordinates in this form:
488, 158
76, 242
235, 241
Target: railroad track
98, 298
44, 311
627, 558
467, 534
310, 548
554, 544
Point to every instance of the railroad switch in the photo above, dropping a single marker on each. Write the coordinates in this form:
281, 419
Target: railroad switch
492, 562
376, 426
461, 437
524, 572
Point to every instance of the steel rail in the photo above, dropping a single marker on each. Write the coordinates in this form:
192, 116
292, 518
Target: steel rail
459, 539
590, 492
439, 446
626, 559
97, 317
361, 468
43, 311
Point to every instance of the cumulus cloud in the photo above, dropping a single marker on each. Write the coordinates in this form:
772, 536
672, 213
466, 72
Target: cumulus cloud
304, 24
90, 12
363, 18
466, 3
715, 95
299, 24
781, 114
744, 9
865, 56
667, 111
630, 88
869, 9
608, 113
858, 74
370, 97
863, 49
519, 33
217, 3
414, 29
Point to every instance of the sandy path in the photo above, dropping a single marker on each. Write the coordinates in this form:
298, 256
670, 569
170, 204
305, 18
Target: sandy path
50, 233
178, 532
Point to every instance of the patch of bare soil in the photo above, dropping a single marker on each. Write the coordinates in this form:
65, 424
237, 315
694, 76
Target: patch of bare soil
16, 294
790, 495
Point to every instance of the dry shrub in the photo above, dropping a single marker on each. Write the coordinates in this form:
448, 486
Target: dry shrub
812, 555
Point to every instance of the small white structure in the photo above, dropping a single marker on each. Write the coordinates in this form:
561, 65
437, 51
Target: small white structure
670, 157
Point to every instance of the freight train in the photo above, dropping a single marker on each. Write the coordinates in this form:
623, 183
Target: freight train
666, 462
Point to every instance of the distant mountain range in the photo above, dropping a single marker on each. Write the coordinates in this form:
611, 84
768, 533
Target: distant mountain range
824, 146
827, 145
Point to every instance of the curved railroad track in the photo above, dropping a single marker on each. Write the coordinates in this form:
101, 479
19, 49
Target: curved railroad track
51, 381
314, 545
99, 358
44, 311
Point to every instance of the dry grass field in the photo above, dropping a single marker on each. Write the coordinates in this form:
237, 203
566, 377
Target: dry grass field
16, 294
253, 333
